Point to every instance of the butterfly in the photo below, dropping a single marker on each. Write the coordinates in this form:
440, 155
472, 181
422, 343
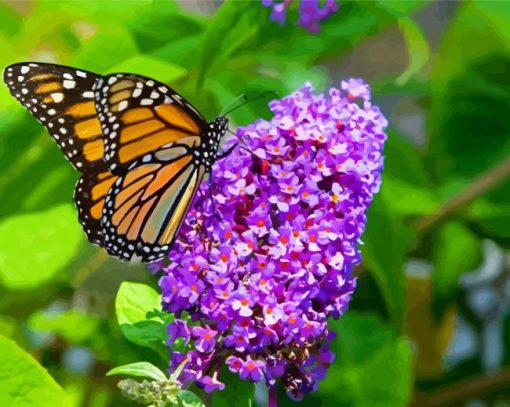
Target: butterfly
141, 148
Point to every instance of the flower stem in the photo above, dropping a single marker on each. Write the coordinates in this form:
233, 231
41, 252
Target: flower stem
273, 396
478, 187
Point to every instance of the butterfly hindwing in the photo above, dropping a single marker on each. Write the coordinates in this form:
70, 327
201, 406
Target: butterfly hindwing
140, 115
144, 209
62, 99
89, 197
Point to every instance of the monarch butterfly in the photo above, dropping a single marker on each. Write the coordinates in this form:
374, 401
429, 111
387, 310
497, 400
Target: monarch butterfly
142, 149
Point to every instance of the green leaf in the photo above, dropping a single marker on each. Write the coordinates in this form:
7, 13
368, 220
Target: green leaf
231, 27
23, 381
237, 392
406, 199
36, 247
494, 216
372, 368
387, 240
418, 49
10, 20
177, 372
404, 162
132, 304
161, 24
456, 251
471, 93
110, 45
401, 8
151, 67
139, 369
190, 399
75, 326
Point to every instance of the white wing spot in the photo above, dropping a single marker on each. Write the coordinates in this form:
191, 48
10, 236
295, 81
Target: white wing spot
57, 97
81, 74
145, 102
123, 105
69, 84
25, 69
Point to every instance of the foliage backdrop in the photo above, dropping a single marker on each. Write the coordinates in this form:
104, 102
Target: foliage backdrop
431, 308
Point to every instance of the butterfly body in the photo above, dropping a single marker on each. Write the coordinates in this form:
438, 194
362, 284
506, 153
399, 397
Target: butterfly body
142, 149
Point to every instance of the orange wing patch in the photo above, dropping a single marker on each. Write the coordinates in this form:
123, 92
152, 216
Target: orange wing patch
145, 207
175, 116
62, 99
89, 196
143, 116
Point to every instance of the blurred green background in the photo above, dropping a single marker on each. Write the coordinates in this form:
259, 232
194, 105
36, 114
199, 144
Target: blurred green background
429, 324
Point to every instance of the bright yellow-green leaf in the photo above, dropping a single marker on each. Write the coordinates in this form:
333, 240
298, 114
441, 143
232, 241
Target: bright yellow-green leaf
72, 325
418, 49
457, 250
24, 382
35, 247
133, 302
139, 369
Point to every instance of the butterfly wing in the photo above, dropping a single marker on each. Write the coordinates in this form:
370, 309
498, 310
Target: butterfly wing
140, 115
135, 140
145, 208
62, 99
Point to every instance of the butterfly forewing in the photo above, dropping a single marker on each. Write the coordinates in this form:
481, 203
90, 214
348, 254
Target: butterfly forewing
62, 99
140, 115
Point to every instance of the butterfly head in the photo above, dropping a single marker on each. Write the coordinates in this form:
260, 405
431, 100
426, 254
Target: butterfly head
211, 141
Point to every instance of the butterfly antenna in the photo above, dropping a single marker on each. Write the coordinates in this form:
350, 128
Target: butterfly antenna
247, 100
232, 105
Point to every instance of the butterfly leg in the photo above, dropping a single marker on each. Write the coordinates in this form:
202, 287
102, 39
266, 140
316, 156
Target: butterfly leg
226, 153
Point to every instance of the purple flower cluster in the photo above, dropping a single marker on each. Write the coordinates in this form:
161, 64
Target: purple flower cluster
311, 12
267, 251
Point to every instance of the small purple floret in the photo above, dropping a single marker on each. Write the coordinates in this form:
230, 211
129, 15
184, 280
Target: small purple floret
311, 12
